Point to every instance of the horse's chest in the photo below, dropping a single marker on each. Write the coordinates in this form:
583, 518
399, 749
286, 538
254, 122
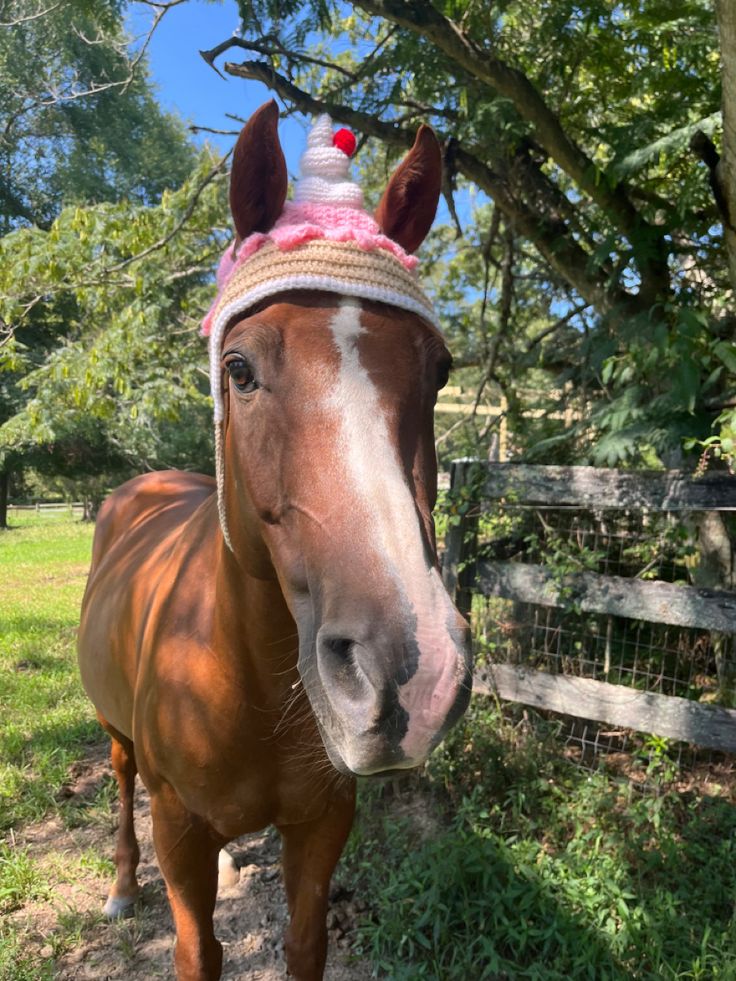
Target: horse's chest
241, 777
251, 797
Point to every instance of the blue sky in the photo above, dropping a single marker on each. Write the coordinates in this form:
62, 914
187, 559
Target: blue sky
184, 82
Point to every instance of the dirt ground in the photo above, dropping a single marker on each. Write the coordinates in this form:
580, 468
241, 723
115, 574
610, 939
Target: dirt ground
250, 916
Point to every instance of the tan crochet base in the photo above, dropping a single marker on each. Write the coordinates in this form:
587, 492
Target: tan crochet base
340, 264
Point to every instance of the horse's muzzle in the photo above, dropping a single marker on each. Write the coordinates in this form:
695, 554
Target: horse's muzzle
386, 702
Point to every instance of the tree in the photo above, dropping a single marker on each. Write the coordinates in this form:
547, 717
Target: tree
598, 267
725, 174
79, 124
79, 120
113, 294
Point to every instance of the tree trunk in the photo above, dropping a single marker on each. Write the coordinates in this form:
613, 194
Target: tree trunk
4, 482
726, 10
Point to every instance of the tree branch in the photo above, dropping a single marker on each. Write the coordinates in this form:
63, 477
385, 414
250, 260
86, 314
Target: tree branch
95, 88
551, 238
552, 328
648, 241
420, 17
208, 178
29, 17
276, 48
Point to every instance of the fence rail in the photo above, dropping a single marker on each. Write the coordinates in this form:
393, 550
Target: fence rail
530, 585
669, 716
75, 507
591, 487
656, 602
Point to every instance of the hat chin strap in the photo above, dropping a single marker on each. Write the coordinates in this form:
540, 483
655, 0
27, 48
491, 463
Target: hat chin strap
220, 478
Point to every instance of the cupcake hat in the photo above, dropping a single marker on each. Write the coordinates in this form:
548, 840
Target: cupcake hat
324, 239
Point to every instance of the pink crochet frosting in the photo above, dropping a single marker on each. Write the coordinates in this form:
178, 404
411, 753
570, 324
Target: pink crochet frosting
327, 206
303, 222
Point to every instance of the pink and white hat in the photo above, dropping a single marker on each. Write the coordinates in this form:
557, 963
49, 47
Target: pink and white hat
323, 240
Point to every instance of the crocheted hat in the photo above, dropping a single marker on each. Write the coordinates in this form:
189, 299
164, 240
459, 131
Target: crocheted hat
324, 240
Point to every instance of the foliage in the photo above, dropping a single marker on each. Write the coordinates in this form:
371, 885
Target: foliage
590, 274
107, 213
17, 963
81, 120
106, 367
20, 879
543, 871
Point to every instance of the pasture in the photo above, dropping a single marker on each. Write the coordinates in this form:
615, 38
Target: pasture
499, 860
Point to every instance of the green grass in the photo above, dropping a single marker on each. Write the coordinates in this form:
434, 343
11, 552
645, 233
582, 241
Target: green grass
21, 879
504, 862
542, 871
18, 963
46, 721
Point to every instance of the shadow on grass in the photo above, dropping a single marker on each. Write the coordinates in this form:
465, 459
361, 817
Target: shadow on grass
678, 853
616, 901
77, 737
32, 624
465, 906
38, 765
514, 864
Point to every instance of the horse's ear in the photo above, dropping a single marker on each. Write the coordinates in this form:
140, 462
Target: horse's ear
258, 179
409, 203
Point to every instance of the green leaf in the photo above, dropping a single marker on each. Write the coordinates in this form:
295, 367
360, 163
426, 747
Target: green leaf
726, 352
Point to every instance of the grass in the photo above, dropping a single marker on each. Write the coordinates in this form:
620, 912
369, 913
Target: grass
539, 870
500, 861
46, 720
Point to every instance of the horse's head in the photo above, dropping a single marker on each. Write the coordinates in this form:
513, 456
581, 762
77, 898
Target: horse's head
330, 475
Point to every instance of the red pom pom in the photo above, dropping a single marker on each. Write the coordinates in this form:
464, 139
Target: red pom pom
345, 141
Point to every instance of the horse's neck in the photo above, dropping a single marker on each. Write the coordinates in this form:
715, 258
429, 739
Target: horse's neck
253, 626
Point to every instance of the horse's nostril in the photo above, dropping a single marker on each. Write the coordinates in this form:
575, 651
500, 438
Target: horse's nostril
339, 647
339, 666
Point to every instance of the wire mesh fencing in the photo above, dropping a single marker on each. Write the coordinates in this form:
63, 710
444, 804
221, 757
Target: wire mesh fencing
580, 551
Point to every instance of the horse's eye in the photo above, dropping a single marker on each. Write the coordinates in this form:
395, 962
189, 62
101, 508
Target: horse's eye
241, 374
443, 373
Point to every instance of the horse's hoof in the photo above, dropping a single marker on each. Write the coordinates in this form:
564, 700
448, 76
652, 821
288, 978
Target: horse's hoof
228, 874
117, 907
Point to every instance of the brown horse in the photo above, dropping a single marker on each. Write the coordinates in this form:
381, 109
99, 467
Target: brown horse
249, 684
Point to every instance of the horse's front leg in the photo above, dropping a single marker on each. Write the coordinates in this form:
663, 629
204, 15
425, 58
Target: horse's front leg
187, 850
309, 855
124, 892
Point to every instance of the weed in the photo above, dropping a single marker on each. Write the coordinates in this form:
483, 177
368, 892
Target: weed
71, 927
18, 964
20, 878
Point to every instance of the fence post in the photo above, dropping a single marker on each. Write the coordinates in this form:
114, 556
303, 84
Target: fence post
458, 569
715, 570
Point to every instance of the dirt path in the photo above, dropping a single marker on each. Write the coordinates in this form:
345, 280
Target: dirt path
250, 916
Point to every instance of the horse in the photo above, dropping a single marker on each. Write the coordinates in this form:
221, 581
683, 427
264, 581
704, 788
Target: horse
251, 652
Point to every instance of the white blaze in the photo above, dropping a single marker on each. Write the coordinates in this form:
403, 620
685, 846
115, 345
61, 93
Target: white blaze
390, 527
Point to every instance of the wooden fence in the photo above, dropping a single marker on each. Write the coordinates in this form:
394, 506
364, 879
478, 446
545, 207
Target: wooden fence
454, 400
687, 606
